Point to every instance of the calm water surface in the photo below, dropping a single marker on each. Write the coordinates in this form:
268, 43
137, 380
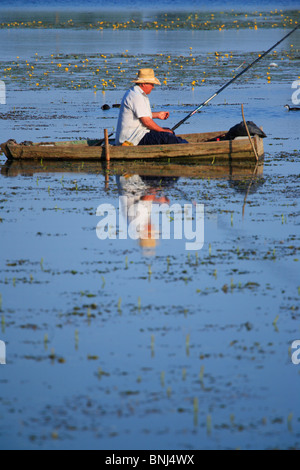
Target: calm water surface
112, 345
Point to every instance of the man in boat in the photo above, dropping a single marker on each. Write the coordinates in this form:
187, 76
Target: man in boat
135, 124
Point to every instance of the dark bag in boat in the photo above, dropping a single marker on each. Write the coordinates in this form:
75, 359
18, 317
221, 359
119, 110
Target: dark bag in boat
239, 130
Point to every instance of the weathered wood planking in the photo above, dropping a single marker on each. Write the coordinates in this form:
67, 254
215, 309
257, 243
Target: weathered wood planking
197, 148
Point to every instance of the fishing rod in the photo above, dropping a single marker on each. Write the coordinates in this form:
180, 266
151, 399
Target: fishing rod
233, 79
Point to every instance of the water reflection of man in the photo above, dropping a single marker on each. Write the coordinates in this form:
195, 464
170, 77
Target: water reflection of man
141, 193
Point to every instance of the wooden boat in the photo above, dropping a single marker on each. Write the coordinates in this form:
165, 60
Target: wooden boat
201, 147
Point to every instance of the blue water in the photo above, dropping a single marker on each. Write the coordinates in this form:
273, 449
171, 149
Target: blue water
170, 5
109, 344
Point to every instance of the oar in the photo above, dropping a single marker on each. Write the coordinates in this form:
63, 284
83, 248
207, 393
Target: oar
234, 79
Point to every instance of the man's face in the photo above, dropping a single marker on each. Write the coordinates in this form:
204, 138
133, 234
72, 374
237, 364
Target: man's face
147, 87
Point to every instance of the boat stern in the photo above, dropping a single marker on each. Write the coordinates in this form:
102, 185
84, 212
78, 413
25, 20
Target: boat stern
5, 149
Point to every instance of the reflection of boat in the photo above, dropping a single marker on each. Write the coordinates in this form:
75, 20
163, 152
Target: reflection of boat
201, 147
232, 170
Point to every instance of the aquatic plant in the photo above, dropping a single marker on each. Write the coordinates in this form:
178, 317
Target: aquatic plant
201, 375
76, 339
275, 322
152, 345
209, 424
187, 345
289, 422
196, 410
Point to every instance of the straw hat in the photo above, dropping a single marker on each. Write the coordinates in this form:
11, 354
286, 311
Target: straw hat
147, 76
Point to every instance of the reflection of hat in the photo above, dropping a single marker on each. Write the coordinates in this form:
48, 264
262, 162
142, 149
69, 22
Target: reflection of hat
148, 236
147, 76
148, 242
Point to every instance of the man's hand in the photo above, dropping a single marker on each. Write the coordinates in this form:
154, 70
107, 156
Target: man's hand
163, 115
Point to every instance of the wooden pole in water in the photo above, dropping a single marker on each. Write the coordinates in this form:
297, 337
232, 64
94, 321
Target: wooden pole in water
251, 140
107, 157
249, 187
106, 145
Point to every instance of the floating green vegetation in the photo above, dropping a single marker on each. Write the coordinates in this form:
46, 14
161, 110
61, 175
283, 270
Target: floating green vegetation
92, 357
111, 71
204, 20
101, 373
87, 294
54, 358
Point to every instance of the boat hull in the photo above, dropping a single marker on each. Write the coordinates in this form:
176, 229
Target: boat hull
200, 147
